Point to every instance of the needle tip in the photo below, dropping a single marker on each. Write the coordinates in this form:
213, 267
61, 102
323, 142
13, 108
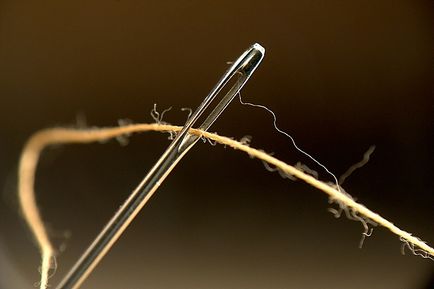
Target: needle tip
259, 48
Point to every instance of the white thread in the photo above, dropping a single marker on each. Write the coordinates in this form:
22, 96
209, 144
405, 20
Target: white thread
290, 137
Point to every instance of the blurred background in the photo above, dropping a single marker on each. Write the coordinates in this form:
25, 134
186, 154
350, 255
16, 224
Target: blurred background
340, 75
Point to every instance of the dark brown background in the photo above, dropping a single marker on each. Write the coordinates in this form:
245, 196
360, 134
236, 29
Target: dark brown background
340, 75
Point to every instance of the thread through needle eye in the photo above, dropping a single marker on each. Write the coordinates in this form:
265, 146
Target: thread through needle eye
242, 68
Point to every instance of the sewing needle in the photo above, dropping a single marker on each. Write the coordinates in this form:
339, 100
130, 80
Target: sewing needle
242, 68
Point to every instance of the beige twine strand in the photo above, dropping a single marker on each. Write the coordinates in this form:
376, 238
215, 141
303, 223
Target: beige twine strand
44, 138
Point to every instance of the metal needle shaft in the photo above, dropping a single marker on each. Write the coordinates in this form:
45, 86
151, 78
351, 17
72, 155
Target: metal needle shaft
242, 68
